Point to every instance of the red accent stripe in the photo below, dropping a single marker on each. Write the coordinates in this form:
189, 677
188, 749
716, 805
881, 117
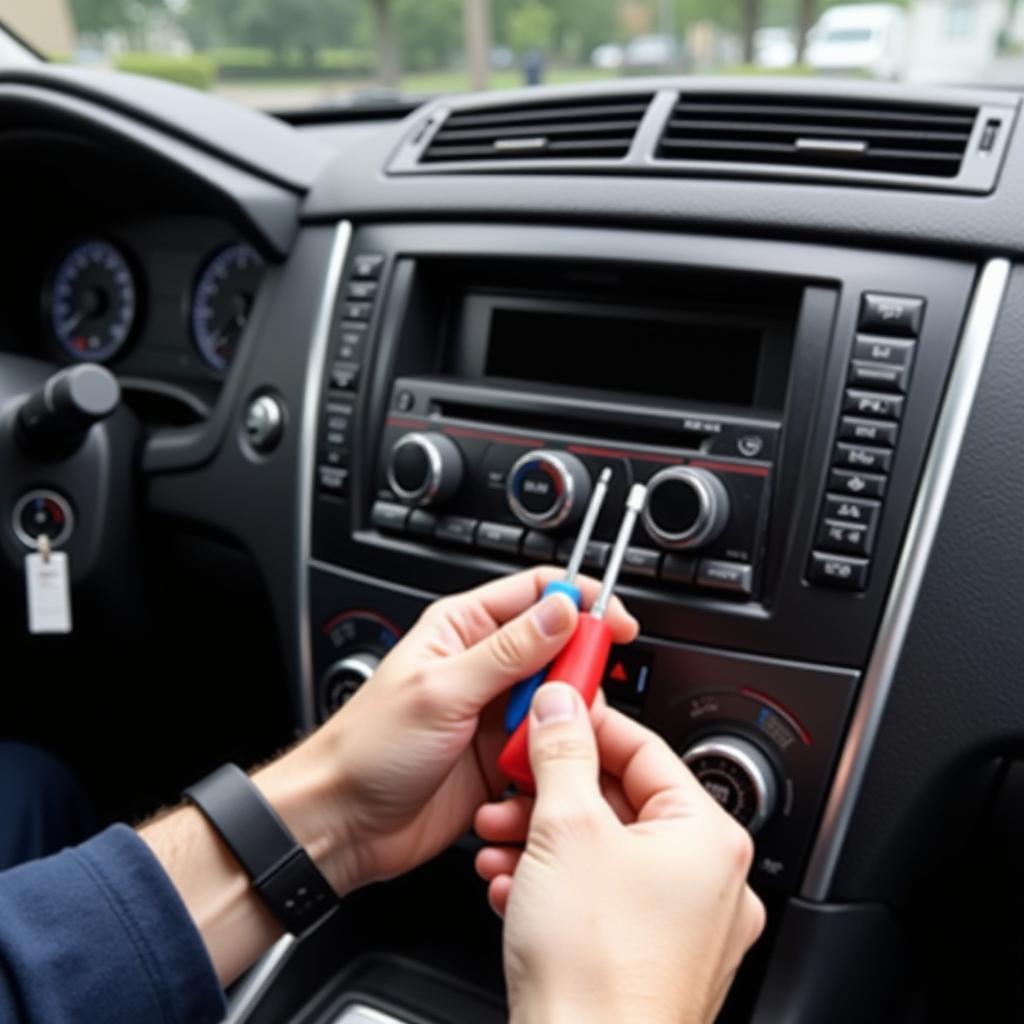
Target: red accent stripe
612, 453
729, 467
486, 435
361, 613
804, 735
413, 424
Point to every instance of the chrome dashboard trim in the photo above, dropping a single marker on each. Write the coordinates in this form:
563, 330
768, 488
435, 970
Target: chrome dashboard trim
307, 465
910, 570
251, 988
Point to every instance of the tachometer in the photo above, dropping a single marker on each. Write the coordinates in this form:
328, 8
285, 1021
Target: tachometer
93, 301
222, 300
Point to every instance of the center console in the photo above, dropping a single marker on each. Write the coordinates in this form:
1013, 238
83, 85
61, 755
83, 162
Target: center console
777, 399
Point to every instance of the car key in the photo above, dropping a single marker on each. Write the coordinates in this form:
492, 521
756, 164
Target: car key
522, 693
582, 662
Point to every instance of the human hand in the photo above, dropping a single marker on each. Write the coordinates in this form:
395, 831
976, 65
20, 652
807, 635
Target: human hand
629, 901
409, 759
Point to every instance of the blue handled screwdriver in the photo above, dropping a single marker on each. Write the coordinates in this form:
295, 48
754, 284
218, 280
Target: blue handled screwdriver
522, 693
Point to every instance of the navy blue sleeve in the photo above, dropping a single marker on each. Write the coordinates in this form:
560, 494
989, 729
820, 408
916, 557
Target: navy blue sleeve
99, 933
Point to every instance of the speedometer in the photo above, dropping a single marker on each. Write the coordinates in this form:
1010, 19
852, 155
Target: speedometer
93, 301
222, 301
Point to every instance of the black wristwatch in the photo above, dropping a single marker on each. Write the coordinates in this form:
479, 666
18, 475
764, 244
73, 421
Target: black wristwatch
281, 871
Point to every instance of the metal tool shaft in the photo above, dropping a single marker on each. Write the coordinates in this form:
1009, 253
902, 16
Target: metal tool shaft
587, 528
634, 506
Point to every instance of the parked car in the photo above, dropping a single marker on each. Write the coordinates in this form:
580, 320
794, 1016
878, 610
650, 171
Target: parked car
867, 39
607, 57
774, 47
651, 52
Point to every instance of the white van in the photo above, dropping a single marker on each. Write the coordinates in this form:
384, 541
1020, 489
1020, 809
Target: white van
867, 38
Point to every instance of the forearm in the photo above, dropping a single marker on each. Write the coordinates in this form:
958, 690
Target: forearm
232, 919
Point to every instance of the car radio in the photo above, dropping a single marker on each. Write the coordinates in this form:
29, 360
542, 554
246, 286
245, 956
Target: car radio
516, 483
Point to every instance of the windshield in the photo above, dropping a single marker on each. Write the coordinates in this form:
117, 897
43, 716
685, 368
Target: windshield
301, 54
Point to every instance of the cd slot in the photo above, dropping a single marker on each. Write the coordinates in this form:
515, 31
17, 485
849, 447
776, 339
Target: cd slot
665, 434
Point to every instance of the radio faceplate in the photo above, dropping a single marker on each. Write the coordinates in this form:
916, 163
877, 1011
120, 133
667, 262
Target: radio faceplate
514, 487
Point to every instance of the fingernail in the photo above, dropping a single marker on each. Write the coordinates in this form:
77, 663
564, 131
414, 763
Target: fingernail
555, 702
553, 615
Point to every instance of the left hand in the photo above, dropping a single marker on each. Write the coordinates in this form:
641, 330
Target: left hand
409, 759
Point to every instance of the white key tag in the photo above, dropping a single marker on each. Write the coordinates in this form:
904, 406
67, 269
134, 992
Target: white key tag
48, 590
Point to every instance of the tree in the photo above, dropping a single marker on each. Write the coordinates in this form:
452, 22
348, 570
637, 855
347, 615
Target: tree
751, 19
531, 26
125, 16
477, 30
806, 12
388, 68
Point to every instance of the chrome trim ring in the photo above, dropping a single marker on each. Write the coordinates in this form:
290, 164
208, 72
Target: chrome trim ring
925, 517
753, 762
27, 539
425, 494
562, 509
714, 507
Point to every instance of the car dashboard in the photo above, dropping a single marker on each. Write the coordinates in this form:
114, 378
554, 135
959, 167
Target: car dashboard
390, 363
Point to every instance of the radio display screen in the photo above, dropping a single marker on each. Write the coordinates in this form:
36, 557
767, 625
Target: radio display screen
714, 361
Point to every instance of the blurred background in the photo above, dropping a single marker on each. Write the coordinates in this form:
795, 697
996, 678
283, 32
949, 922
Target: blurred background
297, 54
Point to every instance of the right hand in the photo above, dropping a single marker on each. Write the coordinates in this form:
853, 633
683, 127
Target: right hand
629, 901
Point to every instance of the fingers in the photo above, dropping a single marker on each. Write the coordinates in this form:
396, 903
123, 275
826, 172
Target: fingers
476, 613
515, 651
504, 822
492, 861
654, 779
563, 756
498, 893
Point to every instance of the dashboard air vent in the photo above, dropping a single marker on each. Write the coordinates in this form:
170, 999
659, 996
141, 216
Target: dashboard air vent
571, 129
819, 132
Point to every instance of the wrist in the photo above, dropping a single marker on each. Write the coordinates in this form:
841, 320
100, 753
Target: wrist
304, 788
594, 1008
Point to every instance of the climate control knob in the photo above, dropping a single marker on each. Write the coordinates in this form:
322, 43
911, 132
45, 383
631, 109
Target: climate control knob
425, 468
343, 678
738, 775
686, 507
547, 488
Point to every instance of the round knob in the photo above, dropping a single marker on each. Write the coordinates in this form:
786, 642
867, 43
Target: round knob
547, 489
343, 678
738, 775
686, 507
54, 420
425, 469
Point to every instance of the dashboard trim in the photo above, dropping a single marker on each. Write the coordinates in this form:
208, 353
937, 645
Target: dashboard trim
926, 515
307, 464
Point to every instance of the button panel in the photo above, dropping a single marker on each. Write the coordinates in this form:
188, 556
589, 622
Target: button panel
353, 310
862, 456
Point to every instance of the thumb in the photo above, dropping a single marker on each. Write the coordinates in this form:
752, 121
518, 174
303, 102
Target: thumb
521, 647
563, 753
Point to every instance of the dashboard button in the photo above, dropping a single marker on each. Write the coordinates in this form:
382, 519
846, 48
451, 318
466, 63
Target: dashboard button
367, 265
421, 522
455, 529
891, 314
594, 557
878, 375
358, 310
868, 431
851, 538
870, 403
333, 479
344, 376
641, 562
838, 571
735, 577
890, 351
386, 515
499, 537
362, 290
862, 485
858, 456
851, 510
679, 568
539, 546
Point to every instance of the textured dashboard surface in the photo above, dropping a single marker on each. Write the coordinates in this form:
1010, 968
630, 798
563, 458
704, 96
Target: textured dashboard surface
958, 698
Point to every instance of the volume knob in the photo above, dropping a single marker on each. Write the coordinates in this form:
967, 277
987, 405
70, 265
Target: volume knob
738, 775
686, 507
424, 468
547, 489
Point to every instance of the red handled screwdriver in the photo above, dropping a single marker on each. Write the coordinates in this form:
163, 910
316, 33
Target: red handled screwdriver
584, 658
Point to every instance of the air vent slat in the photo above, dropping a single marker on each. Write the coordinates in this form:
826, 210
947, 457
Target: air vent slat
798, 132
601, 129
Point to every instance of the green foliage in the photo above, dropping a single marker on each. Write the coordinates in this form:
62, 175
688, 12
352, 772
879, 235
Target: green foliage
108, 15
197, 72
531, 26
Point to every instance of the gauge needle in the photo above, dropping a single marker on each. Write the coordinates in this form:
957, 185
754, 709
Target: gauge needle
73, 321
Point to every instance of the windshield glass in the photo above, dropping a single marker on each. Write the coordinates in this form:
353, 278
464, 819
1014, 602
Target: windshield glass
302, 54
